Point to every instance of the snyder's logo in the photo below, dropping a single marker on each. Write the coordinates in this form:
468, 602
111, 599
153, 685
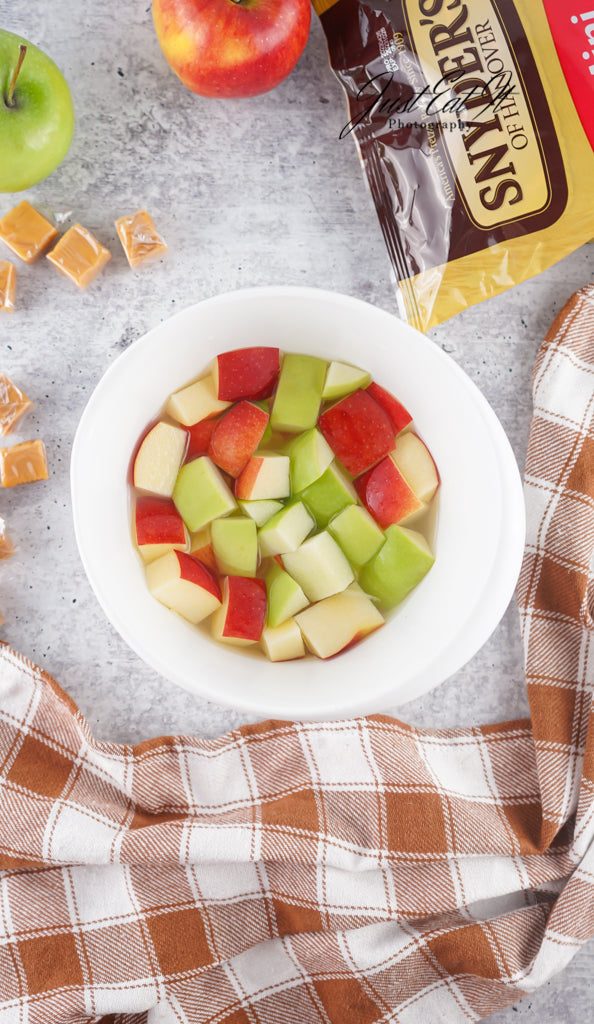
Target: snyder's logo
501, 171
587, 20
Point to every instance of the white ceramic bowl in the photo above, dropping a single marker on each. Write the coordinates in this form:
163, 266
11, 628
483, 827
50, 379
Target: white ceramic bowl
479, 533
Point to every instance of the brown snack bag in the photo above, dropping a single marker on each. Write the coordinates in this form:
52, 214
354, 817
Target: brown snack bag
467, 120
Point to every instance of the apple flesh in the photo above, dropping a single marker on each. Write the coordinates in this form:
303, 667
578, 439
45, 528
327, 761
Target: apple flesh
197, 401
158, 459
201, 548
415, 462
260, 510
37, 121
357, 533
201, 494
387, 495
265, 476
400, 564
246, 373
338, 621
235, 545
185, 585
284, 642
299, 393
286, 530
232, 49
241, 617
159, 527
341, 379
358, 431
319, 566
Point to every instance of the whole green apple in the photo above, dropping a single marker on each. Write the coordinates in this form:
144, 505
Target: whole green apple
36, 114
232, 48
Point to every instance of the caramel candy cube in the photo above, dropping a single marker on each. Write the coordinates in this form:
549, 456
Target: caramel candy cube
7, 286
79, 256
23, 463
13, 404
27, 232
6, 545
141, 241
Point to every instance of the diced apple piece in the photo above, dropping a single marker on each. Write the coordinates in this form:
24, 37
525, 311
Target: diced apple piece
310, 456
197, 401
241, 617
357, 533
400, 564
415, 462
236, 437
299, 393
201, 494
285, 596
201, 548
159, 527
342, 378
387, 495
235, 545
284, 642
400, 417
358, 431
338, 621
246, 373
158, 459
328, 495
265, 476
319, 566
261, 511
286, 530
185, 585
199, 435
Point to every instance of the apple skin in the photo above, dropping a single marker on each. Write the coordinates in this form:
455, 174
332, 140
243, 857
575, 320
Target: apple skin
36, 132
232, 48
358, 430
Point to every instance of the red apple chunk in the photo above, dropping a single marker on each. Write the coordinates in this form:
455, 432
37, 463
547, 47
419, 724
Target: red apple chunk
185, 585
246, 373
199, 435
400, 418
236, 437
387, 495
358, 431
242, 615
159, 527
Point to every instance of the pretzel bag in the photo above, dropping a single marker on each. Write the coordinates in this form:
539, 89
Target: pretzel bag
474, 124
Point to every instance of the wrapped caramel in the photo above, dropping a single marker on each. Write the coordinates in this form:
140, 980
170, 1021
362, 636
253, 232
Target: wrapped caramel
471, 121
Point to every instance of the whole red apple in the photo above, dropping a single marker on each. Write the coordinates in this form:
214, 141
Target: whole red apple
232, 48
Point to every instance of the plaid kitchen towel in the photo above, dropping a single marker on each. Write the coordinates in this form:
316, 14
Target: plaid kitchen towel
328, 873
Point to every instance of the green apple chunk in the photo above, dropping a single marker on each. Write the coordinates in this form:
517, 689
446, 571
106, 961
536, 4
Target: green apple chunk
285, 596
332, 624
201, 494
357, 533
260, 510
328, 495
400, 564
235, 544
319, 566
286, 530
310, 456
342, 378
299, 393
284, 642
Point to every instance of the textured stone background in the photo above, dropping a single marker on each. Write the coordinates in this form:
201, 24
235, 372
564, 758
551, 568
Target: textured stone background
246, 193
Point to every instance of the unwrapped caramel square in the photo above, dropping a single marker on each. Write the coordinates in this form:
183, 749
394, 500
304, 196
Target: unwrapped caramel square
23, 463
7, 286
79, 256
6, 545
26, 232
13, 404
141, 241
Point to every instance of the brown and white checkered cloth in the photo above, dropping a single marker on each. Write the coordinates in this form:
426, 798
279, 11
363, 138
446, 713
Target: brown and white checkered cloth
330, 873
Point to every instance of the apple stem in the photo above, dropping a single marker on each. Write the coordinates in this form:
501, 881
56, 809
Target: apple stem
13, 81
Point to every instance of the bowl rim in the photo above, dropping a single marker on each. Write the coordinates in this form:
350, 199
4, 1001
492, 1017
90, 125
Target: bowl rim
497, 587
